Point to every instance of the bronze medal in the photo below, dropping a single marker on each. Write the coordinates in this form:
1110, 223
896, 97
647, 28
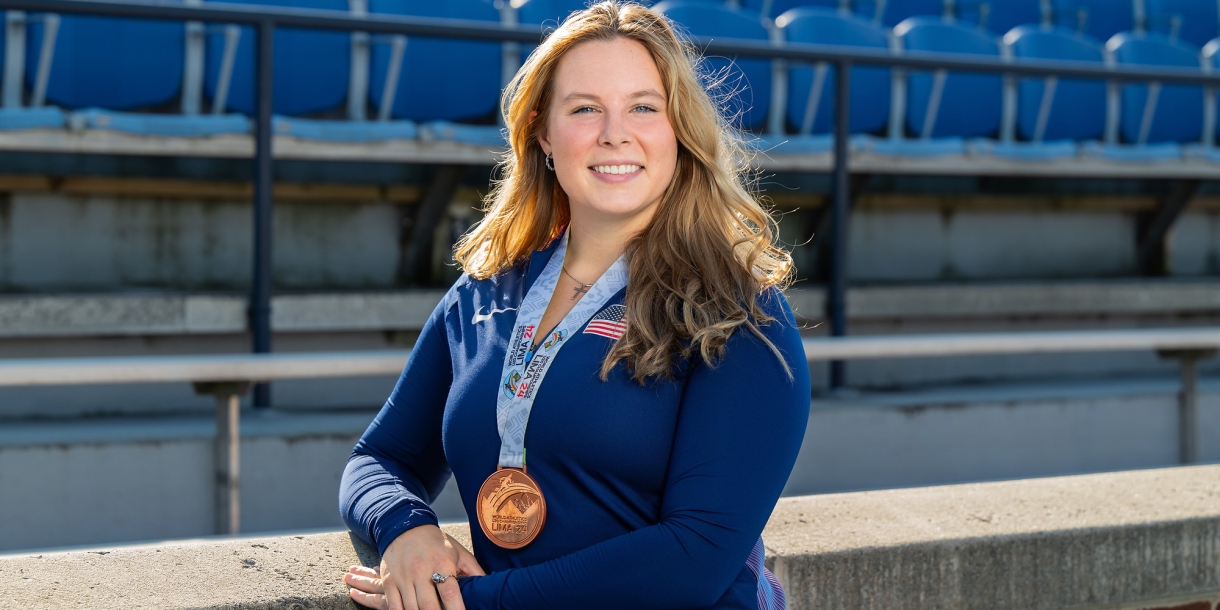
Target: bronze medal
511, 508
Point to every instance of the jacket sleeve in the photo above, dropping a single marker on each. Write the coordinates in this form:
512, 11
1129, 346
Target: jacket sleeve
398, 467
738, 434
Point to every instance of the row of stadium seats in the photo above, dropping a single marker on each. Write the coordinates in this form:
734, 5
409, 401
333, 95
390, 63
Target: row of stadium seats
126, 75
1195, 21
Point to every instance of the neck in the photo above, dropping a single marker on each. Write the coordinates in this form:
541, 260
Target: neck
593, 247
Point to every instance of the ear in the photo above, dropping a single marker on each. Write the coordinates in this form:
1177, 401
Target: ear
542, 136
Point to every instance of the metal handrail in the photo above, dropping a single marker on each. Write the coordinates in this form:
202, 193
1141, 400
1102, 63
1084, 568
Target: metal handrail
1041, 342
198, 369
268, 367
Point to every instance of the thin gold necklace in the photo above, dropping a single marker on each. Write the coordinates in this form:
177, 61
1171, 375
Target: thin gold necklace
583, 286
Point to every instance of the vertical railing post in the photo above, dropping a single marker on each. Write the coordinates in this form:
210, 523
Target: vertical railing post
1188, 400
836, 293
226, 451
260, 292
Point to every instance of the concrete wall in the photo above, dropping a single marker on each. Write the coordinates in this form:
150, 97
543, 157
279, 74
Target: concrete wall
1195, 245
930, 245
52, 241
1138, 540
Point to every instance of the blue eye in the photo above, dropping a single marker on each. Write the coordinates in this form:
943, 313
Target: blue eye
582, 110
644, 108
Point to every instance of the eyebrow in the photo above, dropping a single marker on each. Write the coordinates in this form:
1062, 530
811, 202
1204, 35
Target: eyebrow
636, 95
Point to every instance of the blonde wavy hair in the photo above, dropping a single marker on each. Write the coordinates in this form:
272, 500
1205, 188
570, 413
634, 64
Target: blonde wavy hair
697, 270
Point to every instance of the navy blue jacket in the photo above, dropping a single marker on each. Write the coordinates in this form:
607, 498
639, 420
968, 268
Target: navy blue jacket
656, 495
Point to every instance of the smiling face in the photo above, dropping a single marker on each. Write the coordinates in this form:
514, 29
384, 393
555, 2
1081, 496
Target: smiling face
608, 130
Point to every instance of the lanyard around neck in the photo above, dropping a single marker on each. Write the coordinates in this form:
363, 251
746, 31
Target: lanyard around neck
524, 368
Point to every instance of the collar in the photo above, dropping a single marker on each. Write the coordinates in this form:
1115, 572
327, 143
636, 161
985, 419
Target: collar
539, 259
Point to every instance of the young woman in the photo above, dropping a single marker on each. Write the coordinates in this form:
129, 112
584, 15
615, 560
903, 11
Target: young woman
616, 381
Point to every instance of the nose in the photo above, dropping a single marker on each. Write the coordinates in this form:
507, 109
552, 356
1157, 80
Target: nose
615, 130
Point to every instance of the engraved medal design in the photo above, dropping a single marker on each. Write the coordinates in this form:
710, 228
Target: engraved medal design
511, 507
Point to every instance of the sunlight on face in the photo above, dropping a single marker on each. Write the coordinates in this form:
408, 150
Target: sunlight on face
608, 129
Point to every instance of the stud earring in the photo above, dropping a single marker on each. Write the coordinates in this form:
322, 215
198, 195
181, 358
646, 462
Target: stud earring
550, 163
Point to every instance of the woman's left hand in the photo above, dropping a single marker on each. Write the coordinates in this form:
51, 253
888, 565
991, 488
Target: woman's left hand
368, 590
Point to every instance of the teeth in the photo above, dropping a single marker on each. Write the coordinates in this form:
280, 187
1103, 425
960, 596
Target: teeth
616, 169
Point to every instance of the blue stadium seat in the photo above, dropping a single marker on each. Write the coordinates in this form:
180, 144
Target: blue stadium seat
870, 86
1000, 15
1211, 57
1101, 18
897, 11
344, 130
548, 12
17, 117
311, 69
442, 80
1172, 114
1069, 109
774, 8
169, 125
118, 64
46, 117
1195, 21
746, 85
105, 65
949, 105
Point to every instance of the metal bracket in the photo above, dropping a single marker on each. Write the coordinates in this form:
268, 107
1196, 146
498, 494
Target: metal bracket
1153, 228
227, 446
416, 236
14, 58
1188, 400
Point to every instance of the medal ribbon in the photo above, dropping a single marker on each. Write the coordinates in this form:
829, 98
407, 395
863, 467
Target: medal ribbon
524, 370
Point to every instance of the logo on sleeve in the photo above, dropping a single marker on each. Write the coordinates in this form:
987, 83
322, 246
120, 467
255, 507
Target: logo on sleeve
483, 317
610, 322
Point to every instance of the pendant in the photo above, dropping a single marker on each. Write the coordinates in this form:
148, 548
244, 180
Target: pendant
511, 509
583, 289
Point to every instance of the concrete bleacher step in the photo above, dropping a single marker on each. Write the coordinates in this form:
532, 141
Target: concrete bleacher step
141, 478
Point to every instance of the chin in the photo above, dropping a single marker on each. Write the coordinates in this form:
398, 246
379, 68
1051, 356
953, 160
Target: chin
620, 210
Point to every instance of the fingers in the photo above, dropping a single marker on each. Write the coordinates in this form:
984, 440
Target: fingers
420, 593
467, 565
365, 571
369, 600
425, 592
365, 583
450, 594
395, 601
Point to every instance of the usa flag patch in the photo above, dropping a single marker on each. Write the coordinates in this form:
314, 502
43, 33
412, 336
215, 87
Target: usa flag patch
610, 322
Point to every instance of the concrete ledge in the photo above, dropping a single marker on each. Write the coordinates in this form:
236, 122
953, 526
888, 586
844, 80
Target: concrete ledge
190, 314
1095, 541
111, 430
1119, 540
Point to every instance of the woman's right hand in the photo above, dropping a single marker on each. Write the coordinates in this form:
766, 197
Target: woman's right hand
404, 581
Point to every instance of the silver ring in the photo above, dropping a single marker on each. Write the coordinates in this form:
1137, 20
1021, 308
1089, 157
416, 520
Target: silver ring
438, 579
